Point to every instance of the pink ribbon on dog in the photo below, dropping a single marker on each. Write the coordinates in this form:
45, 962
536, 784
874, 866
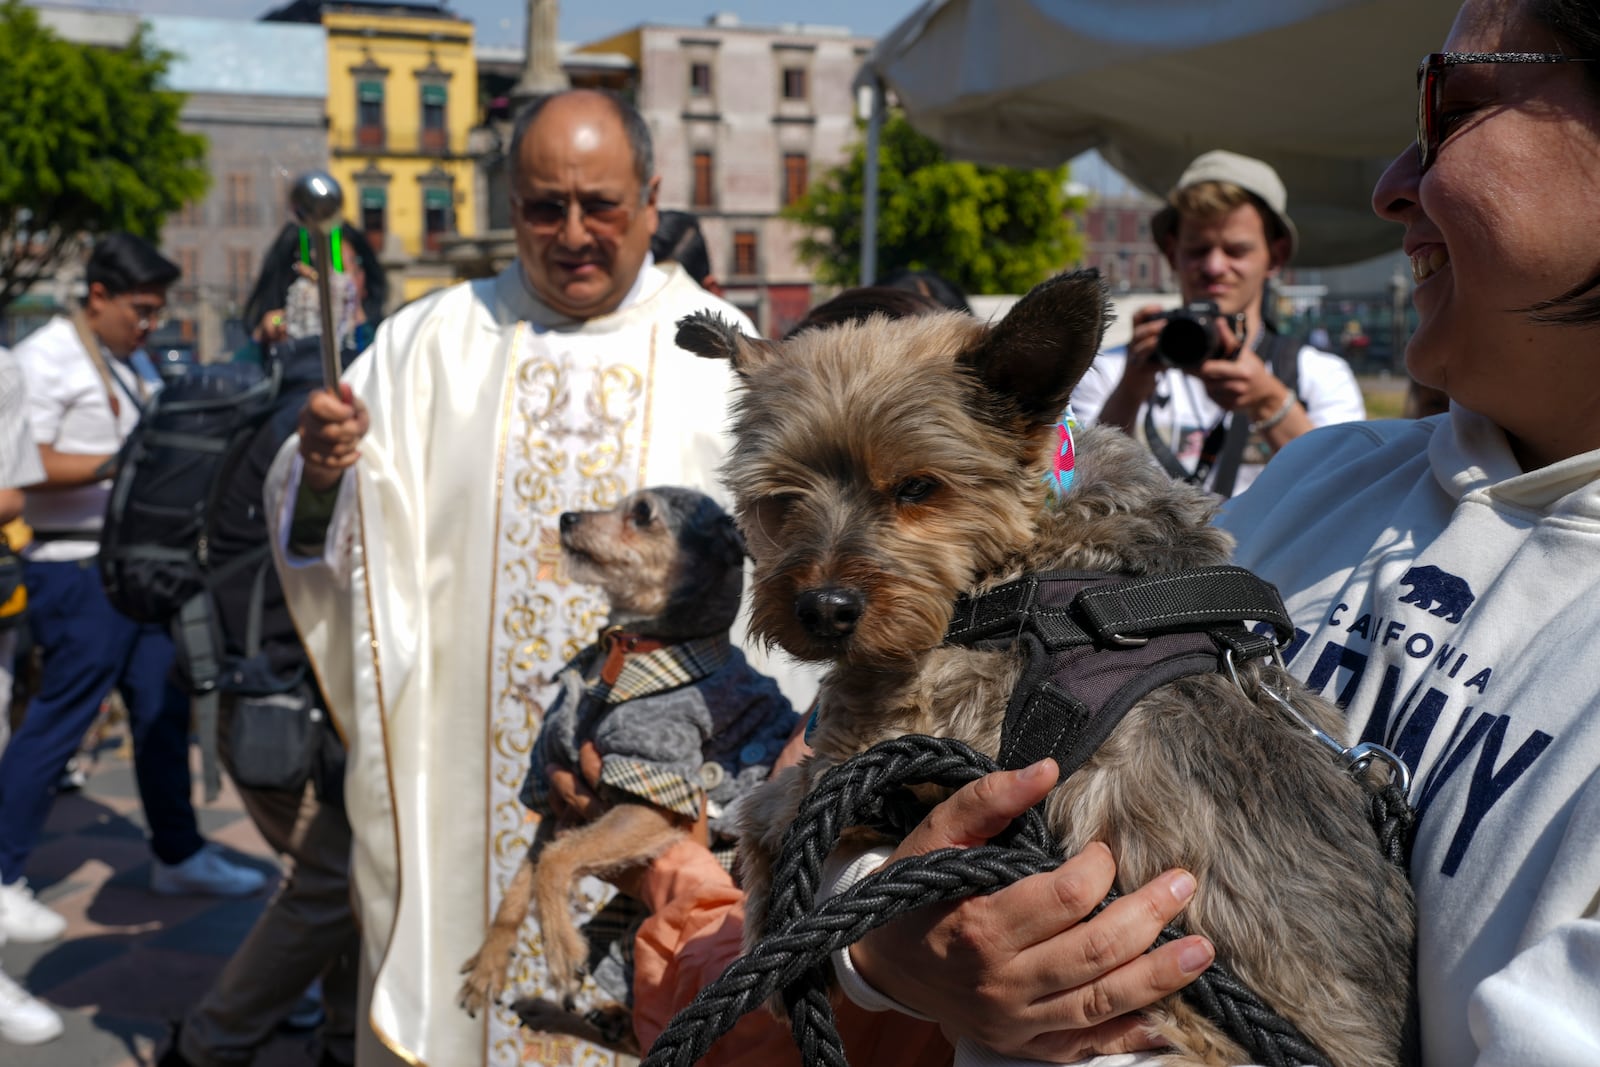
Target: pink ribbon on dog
1059, 479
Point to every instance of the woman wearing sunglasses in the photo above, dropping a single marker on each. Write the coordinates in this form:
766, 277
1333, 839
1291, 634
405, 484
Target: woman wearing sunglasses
1445, 574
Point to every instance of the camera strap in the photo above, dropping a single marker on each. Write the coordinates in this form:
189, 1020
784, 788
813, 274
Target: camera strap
1282, 355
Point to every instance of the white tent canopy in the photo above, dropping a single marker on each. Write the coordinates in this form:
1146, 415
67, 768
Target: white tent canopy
1325, 90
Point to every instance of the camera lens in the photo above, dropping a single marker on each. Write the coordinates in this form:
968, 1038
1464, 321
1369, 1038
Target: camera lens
1184, 341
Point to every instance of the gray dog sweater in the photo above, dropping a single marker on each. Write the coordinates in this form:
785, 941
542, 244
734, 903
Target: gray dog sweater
676, 723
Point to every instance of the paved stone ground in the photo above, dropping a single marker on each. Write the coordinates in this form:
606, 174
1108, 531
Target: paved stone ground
131, 961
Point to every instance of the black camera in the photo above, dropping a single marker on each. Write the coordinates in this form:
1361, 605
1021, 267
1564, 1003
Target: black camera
1190, 336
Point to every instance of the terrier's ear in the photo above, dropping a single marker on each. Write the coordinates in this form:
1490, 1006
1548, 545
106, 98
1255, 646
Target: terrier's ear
708, 334
1033, 357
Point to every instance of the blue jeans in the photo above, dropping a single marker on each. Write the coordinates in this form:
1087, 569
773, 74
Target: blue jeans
89, 649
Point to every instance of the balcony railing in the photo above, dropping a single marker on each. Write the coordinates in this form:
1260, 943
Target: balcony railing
392, 140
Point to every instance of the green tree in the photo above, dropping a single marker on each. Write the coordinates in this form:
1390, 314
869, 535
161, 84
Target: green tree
988, 229
89, 143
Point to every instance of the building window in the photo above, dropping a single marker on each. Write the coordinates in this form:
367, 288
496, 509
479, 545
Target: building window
241, 207
187, 288
369, 114
794, 83
434, 136
744, 252
190, 214
373, 222
699, 79
795, 173
435, 218
241, 274
703, 181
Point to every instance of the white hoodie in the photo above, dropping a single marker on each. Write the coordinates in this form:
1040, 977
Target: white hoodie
1452, 604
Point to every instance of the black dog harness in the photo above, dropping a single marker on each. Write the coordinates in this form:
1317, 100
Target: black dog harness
1095, 644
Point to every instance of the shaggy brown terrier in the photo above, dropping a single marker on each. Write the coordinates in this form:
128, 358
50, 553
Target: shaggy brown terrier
883, 470
670, 562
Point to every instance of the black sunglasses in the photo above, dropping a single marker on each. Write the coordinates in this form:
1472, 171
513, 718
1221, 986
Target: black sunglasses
1430, 75
603, 217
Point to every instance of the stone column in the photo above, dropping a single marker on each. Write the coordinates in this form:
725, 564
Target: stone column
541, 67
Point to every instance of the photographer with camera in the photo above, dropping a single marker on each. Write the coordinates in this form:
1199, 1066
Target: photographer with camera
1212, 388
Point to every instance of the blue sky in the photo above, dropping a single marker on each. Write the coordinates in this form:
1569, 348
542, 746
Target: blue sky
500, 21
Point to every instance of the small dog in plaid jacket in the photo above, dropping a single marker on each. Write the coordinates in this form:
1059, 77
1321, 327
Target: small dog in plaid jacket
684, 728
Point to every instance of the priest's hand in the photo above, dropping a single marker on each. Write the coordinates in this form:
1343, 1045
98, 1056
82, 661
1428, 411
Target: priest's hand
331, 428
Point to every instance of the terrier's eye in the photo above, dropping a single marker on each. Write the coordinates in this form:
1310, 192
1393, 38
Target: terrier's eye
914, 490
769, 515
639, 515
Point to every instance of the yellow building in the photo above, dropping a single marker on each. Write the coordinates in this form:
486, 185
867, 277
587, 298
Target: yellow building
402, 96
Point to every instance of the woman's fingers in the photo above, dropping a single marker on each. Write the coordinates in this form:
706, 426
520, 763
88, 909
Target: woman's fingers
979, 810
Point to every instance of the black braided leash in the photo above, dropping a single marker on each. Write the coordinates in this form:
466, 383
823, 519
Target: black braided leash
869, 789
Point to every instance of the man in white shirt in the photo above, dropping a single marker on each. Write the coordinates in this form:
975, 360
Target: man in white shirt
1216, 420
24, 1020
83, 401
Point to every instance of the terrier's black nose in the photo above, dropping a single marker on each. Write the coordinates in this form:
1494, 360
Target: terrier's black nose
830, 612
569, 519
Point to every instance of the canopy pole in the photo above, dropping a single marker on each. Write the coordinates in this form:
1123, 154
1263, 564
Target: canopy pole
869, 206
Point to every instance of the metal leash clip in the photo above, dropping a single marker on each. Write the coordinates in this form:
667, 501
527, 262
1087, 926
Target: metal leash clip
1355, 759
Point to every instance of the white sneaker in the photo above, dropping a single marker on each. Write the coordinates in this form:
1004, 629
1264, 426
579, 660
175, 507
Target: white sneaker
23, 918
24, 1019
206, 873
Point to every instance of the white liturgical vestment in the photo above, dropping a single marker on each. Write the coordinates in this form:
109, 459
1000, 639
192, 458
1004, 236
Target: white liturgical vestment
440, 610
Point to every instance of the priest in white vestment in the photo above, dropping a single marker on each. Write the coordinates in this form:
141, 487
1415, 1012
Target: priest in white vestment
435, 608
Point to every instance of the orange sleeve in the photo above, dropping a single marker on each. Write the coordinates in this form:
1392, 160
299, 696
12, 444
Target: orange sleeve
695, 931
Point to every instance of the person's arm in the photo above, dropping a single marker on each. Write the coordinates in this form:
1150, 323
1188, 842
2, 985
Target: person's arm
10, 504
1140, 373
71, 470
695, 930
47, 408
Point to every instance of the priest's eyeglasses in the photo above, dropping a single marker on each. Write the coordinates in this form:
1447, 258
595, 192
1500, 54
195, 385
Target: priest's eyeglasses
1430, 76
601, 217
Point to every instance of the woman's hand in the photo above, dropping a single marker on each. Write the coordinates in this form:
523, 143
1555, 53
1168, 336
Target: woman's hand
1022, 971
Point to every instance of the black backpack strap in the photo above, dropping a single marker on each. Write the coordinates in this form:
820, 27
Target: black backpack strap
194, 631
1282, 355
199, 639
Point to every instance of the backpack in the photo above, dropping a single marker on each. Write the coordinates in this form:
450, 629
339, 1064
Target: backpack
170, 473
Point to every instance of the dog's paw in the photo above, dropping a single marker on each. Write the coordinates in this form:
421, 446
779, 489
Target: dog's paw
482, 986
566, 955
